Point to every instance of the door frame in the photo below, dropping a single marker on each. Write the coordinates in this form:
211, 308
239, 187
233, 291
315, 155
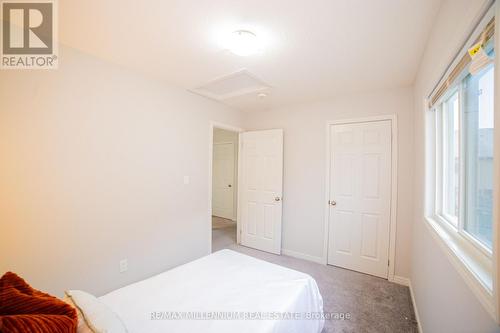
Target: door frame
213, 125
394, 184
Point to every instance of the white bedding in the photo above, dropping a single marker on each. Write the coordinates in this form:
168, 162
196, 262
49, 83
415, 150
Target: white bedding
229, 283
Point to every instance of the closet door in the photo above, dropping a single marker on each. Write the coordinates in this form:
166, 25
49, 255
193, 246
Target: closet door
360, 196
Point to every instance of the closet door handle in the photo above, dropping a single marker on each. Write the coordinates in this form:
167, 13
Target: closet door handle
332, 203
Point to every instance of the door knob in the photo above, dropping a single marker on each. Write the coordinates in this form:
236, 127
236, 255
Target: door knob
277, 199
229, 185
332, 202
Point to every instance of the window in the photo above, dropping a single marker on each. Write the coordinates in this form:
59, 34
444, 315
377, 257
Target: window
478, 151
464, 155
449, 113
460, 172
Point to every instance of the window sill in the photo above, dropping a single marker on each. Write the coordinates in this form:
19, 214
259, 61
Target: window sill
472, 264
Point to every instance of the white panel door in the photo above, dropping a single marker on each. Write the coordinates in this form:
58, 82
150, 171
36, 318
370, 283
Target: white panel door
261, 187
360, 196
223, 180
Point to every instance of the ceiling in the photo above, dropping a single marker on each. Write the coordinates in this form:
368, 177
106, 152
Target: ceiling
313, 49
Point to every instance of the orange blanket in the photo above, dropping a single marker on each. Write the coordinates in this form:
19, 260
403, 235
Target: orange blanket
24, 309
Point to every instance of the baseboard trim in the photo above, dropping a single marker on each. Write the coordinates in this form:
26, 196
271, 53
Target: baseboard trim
414, 302
407, 282
303, 256
401, 280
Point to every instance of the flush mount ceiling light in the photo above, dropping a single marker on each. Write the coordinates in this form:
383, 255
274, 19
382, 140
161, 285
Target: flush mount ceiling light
244, 43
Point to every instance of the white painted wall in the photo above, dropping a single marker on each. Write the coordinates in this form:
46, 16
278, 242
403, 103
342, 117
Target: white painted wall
225, 136
92, 160
445, 303
305, 162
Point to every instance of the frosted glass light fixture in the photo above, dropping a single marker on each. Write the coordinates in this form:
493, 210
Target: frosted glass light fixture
244, 43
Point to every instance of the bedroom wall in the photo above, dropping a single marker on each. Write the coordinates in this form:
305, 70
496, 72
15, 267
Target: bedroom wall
305, 162
444, 301
92, 164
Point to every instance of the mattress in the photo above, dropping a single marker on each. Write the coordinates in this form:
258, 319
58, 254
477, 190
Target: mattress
222, 292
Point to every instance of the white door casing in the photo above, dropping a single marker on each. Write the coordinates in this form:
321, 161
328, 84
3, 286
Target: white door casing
223, 183
261, 189
360, 196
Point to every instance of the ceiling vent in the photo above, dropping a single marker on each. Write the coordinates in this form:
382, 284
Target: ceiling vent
236, 84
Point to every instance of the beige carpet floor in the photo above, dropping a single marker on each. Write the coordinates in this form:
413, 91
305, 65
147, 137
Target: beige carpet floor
220, 223
374, 304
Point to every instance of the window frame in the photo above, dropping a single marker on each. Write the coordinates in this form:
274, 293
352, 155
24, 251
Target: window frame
457, 225
439, 207
474, 261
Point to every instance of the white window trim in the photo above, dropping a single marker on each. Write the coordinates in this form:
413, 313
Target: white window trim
473, 261
469, 256
457, 223
473, 265
440, 142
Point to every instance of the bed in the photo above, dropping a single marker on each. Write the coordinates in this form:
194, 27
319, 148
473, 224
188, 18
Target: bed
245, 295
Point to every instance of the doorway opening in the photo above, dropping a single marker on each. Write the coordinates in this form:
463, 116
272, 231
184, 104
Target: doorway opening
225, 144
245, 188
